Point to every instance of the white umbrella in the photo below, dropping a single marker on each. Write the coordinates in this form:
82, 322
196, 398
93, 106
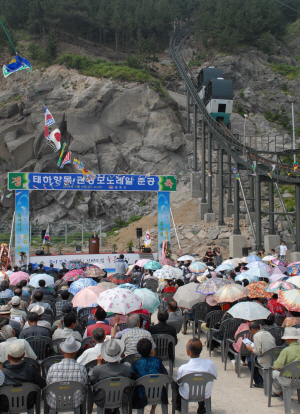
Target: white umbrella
250, 311
166, 272
295, 280
34, 281
258, 264
186, 296
185, 258
268, 258
119, 300
231, 262
100, 265
224, 267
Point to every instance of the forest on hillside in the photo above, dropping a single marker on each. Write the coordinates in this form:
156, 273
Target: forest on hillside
145, 25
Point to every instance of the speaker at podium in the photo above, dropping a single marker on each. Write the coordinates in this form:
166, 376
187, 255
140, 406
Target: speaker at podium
94, 245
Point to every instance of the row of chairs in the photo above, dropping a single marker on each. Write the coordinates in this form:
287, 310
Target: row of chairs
114, 387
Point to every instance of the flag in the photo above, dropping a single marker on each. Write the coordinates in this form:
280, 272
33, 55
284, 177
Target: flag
147, 241
61, 154
67, 160
78, 164
49, 120
47, 132
209, 173
46, 237
295, 164
18, 63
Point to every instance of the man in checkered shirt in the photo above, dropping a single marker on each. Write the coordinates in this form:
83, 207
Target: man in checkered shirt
67, 370
60, 303
132, 335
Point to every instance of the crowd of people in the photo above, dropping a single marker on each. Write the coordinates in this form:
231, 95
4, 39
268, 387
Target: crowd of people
47, 311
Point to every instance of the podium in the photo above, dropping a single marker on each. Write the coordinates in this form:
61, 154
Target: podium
93, 245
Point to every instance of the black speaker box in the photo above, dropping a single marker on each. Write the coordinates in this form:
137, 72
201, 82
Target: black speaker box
39, 253
139, 232
43, 232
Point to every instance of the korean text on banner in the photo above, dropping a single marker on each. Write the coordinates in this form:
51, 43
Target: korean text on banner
22, 226
163, 218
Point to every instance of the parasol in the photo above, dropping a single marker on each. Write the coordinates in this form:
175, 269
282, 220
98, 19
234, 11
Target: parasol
94, 272
149, 299
276, 277
210, 286
277, 270
249, 311
87, 295
295, 280
34, 281
229, 293
75, 264
16, 277
118, 300
257, 290
186, 258
119, 278
107, 285
290, 299
253, 258
152, 265
268, 258
222, 267
128, 286
258, 272
197, 267
232, 262
79, 284
142, 262
260, 265
74, 275
293, 269
169, 262
245, 275
166, 273
186, 296
278, 262
282, 285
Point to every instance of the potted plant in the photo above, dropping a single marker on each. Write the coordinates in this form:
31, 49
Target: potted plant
129, 246
114, 247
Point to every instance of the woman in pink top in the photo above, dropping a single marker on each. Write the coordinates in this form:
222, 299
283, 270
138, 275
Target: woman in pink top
237, 345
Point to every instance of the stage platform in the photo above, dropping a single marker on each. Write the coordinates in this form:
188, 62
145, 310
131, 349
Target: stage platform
107, 259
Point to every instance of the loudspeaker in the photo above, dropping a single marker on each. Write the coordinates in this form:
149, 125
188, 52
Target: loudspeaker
139, 232
39, 253
43, 232
245, 251
147, 249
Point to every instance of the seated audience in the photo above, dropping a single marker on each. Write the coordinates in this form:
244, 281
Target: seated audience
25, 289
108, 365
5, 319
23, 304
289, 354
8, 333
148, 281
163, 328
100, 316
52, 271
40, 269
66, 309
175, 319
60, 303
34, 329
5, 292
263, 341
133, 334
67, 370
274, 306
68, 330
92, 353
60, 282
195, 365
38, 296
147, 365
47, 291
236, 346
39, 310
15, 308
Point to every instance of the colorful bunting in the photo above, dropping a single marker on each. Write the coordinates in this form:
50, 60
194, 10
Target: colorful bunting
67, 160
18, 63
78, 164
61, 154
208, 173
295, 164
49, 120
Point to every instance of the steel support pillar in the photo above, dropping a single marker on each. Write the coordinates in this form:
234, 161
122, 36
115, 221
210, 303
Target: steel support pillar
252, 207
203, 175
229, 190
209, 167
188, 125
195, 138
221, 189
297, 196
236, 206
271, 209
258, 212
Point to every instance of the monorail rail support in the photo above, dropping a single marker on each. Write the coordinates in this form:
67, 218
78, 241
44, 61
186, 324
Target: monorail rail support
297, 197
271, 209
209, 167
188, 125
251, 182
229, 191
221, 189
203, 166
236, 205
195, 138
258, 212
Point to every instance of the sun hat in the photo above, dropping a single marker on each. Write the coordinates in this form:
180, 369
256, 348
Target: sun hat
211, 300
37, 309
16, 300
70, 345
15, 350
4, 309
201, 278
291, 333
112, 349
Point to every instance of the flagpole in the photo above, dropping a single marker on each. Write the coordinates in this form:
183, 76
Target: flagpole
175, 230
11, 233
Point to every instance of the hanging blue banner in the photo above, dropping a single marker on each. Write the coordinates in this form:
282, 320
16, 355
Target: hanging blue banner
22, 227
97, 182
163, 218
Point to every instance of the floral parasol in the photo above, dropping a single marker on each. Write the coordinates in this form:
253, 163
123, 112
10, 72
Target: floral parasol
290, 299
280, 285
210, 286
74, 275
293, 269
278, 262
119, 278
119, 300
75, 264
295, 280
197, 267
229, 293
169, 262
94, 272
257, 290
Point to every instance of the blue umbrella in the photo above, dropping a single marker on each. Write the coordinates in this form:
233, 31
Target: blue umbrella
258, 272
253, 258
153, 265
258, 264
149, 299
128, 286
245, 275
80, 284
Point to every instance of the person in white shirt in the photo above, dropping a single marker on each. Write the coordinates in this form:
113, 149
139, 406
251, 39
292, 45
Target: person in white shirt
68, 330
92, 354
195, 365
8, 332
39, 310
282, 251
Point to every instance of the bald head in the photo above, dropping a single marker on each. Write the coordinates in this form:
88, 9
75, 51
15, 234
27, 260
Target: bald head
194, 348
